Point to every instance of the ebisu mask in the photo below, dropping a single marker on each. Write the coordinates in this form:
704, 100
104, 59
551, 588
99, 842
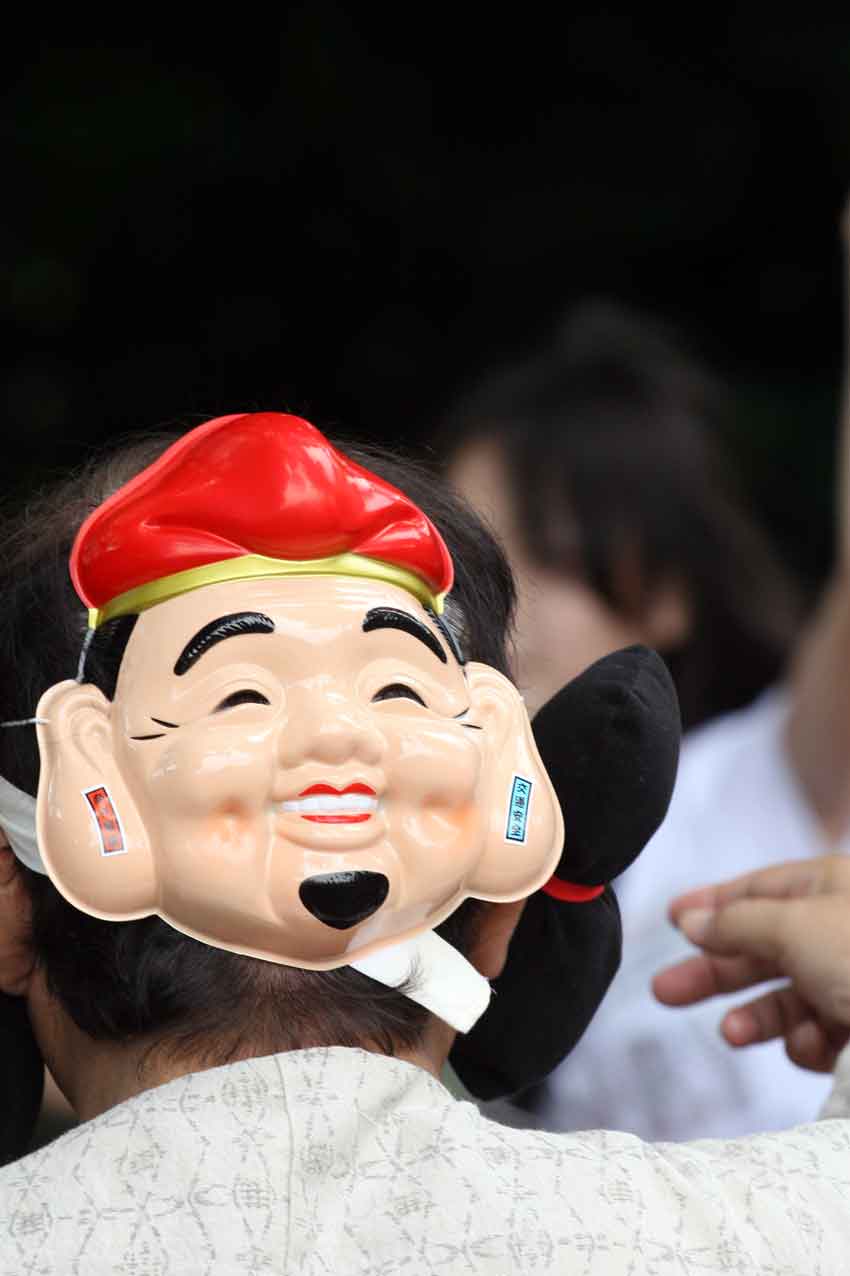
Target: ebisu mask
296, 765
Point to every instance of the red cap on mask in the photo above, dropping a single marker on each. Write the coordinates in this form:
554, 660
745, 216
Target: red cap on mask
251, 495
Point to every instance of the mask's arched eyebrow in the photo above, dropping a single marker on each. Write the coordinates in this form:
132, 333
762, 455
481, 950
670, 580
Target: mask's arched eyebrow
390, 618
233, 626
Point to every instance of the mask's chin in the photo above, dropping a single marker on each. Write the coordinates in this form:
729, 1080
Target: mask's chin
342, 900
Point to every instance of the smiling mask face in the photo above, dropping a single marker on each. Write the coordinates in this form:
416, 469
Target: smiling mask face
298, 769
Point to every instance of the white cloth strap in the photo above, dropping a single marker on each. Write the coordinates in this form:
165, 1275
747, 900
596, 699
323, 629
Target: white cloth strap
17, 820
444, 982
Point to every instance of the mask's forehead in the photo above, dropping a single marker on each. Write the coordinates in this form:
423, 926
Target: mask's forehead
313, 620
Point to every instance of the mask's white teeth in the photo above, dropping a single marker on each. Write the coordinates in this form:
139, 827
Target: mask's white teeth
332, 804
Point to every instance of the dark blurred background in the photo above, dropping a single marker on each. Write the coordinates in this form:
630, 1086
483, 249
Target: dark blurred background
348, 215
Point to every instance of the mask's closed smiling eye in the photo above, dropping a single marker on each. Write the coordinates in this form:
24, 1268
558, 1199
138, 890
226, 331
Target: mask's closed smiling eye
397, 690
160, 722
246, 696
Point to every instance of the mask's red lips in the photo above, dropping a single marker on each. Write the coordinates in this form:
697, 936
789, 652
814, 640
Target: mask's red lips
326, 804
329, 788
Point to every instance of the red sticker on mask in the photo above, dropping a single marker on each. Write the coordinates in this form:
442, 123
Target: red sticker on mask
106, 821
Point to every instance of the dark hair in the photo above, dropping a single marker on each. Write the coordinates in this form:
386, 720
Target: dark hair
610, 437
143, 979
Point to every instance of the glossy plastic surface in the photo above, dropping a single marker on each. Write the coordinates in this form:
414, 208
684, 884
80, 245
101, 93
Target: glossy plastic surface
263, 484
296, 768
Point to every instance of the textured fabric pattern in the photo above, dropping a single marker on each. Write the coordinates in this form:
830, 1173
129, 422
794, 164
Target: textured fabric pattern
337, 1163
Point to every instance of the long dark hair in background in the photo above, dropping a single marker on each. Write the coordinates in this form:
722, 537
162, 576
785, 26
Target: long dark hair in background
611, 438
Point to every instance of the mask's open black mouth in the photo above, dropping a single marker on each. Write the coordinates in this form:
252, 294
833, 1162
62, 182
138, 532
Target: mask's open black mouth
342, 900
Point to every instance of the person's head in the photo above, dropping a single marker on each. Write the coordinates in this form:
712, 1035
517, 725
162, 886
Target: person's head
142, 981
596, 461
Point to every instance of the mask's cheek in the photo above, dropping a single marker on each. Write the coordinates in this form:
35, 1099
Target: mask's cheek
434, 815
435, 763
205, 773
205, 798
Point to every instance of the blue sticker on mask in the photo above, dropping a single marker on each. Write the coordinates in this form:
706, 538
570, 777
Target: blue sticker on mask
518, 809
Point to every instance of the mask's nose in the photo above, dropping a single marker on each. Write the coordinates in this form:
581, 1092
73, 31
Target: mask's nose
343, 899
330, 727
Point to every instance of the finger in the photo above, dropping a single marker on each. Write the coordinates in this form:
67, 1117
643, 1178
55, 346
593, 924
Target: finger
781, 881
811, 1045
760, 929
774, 1014
704, 976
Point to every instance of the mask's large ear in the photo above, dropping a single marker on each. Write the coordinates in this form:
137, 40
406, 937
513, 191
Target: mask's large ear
525, 833
90, 833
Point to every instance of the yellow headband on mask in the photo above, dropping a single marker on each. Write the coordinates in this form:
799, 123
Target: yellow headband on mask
248, 566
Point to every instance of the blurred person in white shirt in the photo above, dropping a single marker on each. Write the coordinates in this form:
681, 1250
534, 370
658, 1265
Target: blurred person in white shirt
596, 462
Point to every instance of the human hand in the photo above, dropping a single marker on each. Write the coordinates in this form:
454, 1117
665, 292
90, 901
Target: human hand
790, 921
16, 959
